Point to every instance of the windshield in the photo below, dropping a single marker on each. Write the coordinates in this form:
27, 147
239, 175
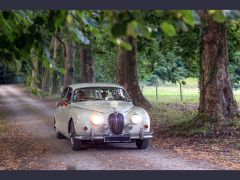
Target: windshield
100, 93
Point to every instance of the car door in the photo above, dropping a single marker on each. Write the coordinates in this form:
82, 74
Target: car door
61, 111
66, 111
58, 110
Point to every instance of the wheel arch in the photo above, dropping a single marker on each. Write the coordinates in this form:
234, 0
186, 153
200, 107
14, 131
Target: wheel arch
69, 122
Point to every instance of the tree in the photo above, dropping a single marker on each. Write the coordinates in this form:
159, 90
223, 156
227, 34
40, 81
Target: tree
87, 71
216, 95
69, 61
127, 73
55, 74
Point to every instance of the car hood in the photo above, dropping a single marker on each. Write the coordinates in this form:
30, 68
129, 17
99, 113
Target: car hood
104, 106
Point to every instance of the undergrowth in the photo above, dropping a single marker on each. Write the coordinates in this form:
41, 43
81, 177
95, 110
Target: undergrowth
181, 120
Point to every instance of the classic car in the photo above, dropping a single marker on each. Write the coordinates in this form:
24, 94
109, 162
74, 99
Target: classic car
99, 111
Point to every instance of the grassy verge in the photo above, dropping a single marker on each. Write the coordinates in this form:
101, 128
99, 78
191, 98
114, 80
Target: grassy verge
174, 128
171, 94
42, 95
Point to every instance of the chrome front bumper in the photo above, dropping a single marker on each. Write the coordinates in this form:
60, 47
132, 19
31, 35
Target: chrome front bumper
96, 136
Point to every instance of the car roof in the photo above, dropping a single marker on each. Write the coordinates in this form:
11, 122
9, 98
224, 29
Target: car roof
85, 85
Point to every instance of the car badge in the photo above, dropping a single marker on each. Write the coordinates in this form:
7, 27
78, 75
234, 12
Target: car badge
114, 105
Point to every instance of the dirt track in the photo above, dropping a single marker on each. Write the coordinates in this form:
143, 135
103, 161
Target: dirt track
35, 117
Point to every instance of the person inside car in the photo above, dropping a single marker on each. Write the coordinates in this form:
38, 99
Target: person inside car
80, 95
104, 94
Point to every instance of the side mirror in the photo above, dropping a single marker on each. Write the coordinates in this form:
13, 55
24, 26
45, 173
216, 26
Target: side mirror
65, 102
62, 102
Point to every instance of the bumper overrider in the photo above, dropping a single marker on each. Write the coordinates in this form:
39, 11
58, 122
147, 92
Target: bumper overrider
109, 137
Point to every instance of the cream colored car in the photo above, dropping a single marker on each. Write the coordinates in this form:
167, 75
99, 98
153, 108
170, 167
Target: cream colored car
99, 111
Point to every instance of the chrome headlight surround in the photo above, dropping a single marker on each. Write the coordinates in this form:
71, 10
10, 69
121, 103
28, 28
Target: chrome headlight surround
97, 119
136, 119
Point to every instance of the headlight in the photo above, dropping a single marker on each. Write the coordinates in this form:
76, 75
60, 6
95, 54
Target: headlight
97, 120
136, 119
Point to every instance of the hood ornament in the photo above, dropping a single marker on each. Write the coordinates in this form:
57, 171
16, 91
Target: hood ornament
114, 105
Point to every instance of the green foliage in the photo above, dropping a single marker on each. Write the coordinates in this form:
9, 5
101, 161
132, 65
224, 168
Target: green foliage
154, 81
217, 15
105, 59
168, 42
168, 29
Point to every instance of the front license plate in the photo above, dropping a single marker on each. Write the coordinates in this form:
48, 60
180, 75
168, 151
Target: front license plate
117, 139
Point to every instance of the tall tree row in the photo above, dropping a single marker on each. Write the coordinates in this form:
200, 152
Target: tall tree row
165, 51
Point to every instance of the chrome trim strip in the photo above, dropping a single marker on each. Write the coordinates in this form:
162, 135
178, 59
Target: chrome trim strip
93, 136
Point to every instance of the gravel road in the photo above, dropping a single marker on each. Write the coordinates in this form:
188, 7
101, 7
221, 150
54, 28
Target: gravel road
35, 116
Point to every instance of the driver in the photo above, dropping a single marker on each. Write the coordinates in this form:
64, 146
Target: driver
104, 94
80, 95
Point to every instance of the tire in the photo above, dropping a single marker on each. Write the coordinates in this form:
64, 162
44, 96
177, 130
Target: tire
142, 144
58, 134
76, 143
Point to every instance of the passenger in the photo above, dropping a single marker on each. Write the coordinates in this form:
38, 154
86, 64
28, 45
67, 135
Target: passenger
80, 95
104, 94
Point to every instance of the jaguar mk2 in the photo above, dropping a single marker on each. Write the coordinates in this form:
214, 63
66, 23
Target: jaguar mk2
100, 111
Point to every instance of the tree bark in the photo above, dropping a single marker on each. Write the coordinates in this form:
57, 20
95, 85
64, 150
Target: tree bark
217, 101
69, 60
34, 79
56, 75
87, 67
127, 74
180, 88
156, 92
46, 80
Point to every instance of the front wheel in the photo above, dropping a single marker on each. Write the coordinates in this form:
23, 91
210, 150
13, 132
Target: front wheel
142, 144
76, 143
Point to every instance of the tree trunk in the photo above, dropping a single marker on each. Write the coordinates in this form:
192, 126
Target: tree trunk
46, 80
180, 86
156, 92
216, 95
127, 74
69, 60
56, 75
34, 79
87, 71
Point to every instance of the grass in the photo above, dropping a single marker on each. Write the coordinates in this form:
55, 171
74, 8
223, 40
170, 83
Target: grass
174, 119
169, 119
170, 114
170, 93
40, 94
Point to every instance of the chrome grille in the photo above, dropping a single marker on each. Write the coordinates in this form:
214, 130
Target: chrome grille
116, 123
